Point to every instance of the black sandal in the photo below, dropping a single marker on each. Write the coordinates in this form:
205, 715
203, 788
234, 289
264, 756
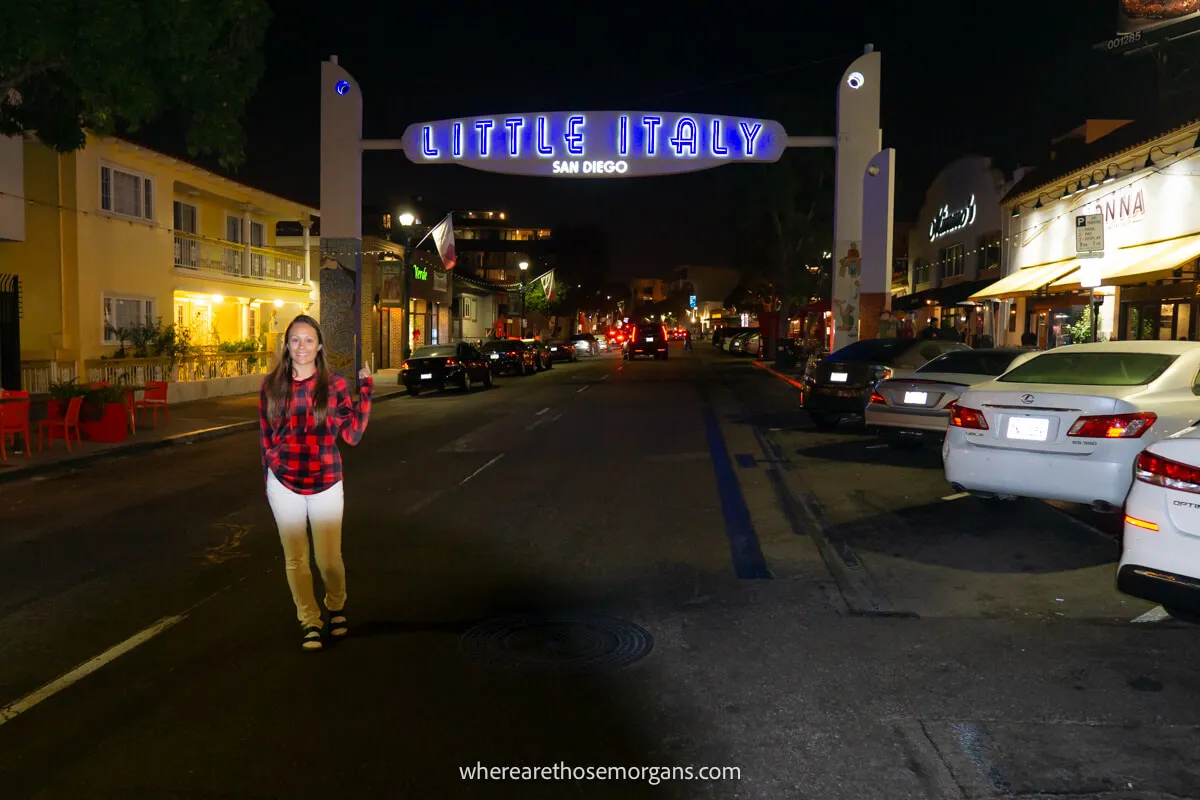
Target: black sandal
311, 638
338, 626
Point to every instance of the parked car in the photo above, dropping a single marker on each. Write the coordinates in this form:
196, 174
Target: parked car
586, 344
509, 355
1160, 551
914, 407
563, 351
647, 339
841, 385
1069, 423
437, 366
541, 354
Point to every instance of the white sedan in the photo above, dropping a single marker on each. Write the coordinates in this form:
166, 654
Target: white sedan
1160, 560
915, 407
1068, 424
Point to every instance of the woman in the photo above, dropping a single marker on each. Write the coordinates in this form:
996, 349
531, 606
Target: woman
303, 409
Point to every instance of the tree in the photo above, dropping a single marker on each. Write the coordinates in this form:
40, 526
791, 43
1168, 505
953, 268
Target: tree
69, 68
536, 302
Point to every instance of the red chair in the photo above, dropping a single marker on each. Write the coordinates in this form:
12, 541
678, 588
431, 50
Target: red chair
14, 419
71, 420
155, 397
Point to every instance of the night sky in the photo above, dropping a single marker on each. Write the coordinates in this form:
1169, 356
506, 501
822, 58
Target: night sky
956, 81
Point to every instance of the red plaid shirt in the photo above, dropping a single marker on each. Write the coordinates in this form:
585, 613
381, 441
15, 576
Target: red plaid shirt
303, 456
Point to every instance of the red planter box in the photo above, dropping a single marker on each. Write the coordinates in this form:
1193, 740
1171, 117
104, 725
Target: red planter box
112, 426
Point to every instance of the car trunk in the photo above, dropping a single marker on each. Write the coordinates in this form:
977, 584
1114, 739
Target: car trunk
929, 391
1037, 417
429, 368
1183, 507
847, 374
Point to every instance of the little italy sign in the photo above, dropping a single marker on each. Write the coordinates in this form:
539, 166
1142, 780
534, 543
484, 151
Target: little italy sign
595, 144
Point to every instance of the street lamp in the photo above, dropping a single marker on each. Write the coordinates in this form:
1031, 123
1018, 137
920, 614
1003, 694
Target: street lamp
524, 265
406, 222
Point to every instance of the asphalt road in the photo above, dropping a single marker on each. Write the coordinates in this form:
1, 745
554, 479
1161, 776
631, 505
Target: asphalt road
609, 565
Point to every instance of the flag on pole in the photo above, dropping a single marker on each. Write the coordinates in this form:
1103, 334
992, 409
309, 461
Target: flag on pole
443, 236
548, 287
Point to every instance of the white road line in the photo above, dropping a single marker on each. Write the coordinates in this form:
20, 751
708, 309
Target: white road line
876, 446
557, 416
957, 496
30, 700
543, 411
606, 377
581, 389
1156, 614
481, 469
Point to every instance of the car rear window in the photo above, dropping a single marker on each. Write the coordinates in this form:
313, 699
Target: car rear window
1091, 369
970, 362
504, 347
872, 351
436, 351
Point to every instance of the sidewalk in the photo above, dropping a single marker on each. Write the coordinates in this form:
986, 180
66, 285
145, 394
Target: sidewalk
196, 421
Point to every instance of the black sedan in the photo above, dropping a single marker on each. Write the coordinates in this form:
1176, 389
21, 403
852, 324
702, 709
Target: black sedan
842, 384
437, 366
563, 351
509, 355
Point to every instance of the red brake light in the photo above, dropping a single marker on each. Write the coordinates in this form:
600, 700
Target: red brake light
404, 365
450, 362
1113, 426
877, 399
963, 417
1164, 472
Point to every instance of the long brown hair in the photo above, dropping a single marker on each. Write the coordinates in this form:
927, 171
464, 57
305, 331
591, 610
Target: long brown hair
278, 382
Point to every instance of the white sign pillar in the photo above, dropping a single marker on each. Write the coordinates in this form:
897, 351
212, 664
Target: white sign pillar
858, 140
875, 292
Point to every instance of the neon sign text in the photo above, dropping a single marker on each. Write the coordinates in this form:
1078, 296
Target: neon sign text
946, 222
595, 144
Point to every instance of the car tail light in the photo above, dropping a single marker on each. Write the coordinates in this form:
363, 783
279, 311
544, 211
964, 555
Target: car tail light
1141, 523
1164, 472
1113, 426
963, 417
450, 362
404, 365
877, 399
886, 372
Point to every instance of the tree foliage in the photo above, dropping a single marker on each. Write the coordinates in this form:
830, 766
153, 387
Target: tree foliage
536, 302
68, 68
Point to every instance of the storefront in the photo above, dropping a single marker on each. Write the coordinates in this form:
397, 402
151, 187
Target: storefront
954, 251
1108, 249
428, 317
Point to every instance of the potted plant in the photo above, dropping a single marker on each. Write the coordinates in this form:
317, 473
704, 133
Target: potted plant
105, 414
60, 396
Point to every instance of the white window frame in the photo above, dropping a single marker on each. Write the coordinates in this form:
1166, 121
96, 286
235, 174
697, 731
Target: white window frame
148, 319
241, 227
144, 181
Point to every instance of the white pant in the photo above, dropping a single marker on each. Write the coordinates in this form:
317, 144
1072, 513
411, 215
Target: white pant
293, 514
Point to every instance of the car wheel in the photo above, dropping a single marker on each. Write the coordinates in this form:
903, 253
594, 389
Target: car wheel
415, 391
466, 381
824, 421
488, 381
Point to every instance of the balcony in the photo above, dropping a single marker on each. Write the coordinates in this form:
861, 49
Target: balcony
228, 259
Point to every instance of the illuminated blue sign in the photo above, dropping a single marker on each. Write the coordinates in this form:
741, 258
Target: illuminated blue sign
691, 301
595, 144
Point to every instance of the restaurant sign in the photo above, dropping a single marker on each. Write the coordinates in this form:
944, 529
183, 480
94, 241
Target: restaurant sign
595, 144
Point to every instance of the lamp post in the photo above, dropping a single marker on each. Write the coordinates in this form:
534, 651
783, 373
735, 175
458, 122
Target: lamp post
524, 265
406, 221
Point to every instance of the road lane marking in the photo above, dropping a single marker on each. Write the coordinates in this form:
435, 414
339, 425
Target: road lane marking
876, 446
1156, 614
957, 496
557, 416
481, 469
581, 389
605, 378
543, 411
11, 712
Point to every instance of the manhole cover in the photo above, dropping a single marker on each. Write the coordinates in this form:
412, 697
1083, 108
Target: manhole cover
564, 643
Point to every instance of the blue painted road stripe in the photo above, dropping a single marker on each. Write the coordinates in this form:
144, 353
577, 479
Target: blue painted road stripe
748, 561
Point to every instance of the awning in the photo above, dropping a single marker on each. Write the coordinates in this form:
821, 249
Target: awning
941, 296
1154, 264
1026, 281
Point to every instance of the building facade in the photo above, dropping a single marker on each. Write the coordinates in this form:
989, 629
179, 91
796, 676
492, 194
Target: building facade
954, 249
1133, 185
118, 240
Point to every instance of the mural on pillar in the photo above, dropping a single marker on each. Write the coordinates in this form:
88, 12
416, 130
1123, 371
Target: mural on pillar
850, 267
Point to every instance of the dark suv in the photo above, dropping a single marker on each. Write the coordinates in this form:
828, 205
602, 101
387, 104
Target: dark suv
841, 385
646, 339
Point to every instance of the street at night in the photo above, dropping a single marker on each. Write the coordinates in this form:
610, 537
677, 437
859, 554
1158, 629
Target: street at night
611, 564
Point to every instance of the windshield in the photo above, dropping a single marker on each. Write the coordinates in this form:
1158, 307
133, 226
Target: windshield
969, 362
872, 351
1092, 369
436, 351
501, 347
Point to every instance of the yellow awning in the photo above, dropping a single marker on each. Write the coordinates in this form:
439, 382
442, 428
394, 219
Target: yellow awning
1155, 261
1027, 281
1112, 264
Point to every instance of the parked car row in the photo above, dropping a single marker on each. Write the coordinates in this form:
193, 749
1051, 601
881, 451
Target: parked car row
1110, 425
463, 365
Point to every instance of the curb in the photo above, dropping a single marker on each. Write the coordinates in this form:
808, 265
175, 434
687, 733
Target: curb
138, 448
779, 374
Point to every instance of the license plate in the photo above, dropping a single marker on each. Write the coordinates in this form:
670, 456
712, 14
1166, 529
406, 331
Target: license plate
425, 376
1029, 429
916, 398
838, 377
495, 356
649, 338
553, 349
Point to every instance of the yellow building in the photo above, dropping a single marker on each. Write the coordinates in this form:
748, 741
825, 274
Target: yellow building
116, 236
